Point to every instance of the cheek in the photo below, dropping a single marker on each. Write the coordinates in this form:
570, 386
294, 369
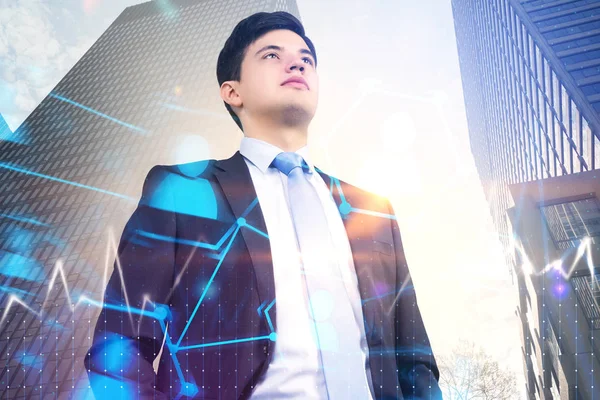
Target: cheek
263, 85
253, 91
252, 80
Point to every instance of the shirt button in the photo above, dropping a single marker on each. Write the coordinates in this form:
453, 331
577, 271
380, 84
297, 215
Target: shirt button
265, 349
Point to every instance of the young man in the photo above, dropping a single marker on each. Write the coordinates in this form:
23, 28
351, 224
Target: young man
281, 281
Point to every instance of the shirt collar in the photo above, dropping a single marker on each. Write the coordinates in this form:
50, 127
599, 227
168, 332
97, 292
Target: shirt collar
261, 153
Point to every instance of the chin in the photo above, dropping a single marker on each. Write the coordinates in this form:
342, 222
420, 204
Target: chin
295, 114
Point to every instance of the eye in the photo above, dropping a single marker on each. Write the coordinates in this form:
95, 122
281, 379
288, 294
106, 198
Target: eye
309, 60
270, 54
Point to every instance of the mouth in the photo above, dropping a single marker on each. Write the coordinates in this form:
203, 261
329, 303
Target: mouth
296, 85
297, 82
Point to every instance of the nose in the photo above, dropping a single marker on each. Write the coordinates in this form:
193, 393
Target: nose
296, 64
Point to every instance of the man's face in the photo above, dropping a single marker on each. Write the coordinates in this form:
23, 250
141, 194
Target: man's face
272, 59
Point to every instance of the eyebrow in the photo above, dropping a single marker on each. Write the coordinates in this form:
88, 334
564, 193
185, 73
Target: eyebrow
275, 47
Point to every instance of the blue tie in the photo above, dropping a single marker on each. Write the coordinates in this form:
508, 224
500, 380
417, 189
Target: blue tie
335, 333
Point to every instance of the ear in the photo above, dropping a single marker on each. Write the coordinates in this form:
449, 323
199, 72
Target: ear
230, 95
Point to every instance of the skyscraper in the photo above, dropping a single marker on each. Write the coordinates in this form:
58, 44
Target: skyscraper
145, 93
531, 82
5, 131
556, 224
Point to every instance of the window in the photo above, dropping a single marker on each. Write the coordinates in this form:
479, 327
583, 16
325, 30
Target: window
587, 288
576, 135
539, 66
571, 221
555, 93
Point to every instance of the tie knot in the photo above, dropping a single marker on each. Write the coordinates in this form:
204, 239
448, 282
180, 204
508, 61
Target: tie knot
287, 161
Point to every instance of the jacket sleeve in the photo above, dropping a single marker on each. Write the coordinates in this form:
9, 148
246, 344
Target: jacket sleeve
130, 329
418, 373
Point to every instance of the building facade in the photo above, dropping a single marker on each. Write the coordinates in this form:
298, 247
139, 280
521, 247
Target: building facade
5, 131
144, 94
531, 83
556, 224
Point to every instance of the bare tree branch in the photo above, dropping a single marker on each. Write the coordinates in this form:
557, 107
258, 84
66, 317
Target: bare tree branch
468, 373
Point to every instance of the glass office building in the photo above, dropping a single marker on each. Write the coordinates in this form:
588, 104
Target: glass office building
145, 93
531, 82
5, 131
557, 240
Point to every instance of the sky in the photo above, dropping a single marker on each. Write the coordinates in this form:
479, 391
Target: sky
390, 119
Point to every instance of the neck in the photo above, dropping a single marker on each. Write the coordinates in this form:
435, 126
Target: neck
287, 138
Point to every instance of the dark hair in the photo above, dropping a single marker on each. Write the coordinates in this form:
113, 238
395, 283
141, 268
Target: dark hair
246, 32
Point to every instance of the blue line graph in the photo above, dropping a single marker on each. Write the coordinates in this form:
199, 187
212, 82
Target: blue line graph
98, 113
161, 312
55, 179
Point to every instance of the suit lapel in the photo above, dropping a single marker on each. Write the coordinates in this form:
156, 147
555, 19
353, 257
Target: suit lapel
235, 180
360, 236
360, 239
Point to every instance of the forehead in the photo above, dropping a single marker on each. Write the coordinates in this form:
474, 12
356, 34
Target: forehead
282, 37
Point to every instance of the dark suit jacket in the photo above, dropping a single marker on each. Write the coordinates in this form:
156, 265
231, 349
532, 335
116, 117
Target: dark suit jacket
197, 247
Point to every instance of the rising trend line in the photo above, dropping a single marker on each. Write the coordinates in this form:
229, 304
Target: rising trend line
584, 248
158, 314
24, 219
199, 346
15, 299
55, 179
206, 289
91, 110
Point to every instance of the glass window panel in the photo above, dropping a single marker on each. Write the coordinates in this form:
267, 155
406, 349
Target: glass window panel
540, 104
596, 145
576, 133
518, 33
538, 146
523, 40
513, 52
531, 147
564, 97
530, 86
518, 66
531, 53
547, 78
588, 291
554, 166
544, 146
548, 120
531, 126
539, 66
572, 221
577, 165
586, 144
513, 21
555, 93
524, 77
559, 142
567, 152
575, 123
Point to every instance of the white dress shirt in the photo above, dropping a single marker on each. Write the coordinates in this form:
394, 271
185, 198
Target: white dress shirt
294, 371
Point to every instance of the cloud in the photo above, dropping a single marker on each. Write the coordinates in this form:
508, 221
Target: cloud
34, 54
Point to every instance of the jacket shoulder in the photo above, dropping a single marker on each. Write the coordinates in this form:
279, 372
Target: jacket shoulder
182, 188
194, 169
357, 196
